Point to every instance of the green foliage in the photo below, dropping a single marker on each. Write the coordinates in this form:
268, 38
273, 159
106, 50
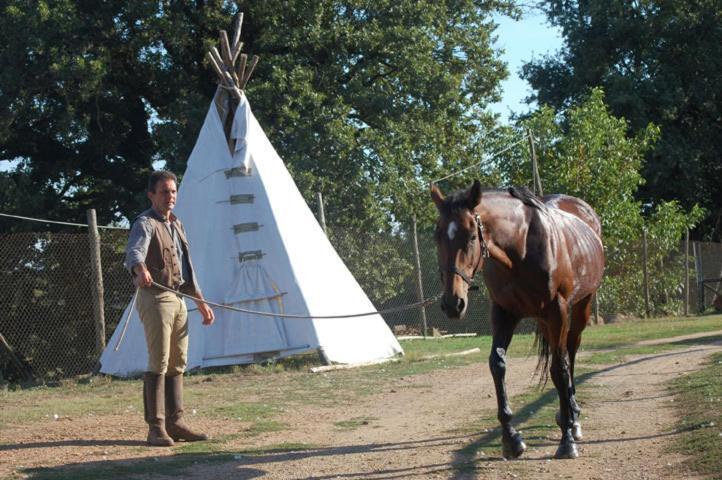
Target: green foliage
365, 101
657, 62
585, 151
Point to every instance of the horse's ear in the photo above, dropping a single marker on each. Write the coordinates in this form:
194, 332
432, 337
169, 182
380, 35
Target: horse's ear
474, 198
437, 196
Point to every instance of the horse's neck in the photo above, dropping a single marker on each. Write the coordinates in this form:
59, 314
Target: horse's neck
505, 221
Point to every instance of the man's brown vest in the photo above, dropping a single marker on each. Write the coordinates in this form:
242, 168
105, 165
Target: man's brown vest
162, 260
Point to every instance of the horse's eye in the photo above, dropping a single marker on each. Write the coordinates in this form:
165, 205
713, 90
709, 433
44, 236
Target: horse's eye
473, 238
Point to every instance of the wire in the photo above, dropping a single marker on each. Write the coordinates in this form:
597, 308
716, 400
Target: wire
478, 164
58, 223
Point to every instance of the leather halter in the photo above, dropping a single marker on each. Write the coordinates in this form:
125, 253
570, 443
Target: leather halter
484, 254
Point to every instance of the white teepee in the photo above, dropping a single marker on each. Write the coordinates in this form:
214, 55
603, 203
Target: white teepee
256, 245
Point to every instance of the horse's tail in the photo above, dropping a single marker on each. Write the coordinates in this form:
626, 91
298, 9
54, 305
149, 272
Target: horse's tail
542, 366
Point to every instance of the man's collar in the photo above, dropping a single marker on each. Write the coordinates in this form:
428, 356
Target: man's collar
171, 216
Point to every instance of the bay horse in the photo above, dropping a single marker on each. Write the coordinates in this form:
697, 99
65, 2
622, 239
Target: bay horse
540, 258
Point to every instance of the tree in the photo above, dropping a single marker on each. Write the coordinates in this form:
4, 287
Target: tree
80, 84
360, 98
657, 62
586, 151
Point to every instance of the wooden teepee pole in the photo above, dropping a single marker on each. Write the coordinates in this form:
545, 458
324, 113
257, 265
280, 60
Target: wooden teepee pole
232, 78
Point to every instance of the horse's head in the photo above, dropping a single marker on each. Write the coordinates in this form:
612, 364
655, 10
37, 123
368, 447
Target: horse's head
460, 245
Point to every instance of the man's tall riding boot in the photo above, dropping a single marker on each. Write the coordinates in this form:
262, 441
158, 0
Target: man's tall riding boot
174, 424
154, 404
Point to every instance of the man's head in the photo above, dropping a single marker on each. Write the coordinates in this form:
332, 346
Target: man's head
162, 190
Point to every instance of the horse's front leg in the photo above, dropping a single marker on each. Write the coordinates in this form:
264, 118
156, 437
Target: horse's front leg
503, 326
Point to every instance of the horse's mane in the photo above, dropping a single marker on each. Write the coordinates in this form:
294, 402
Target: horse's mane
456, 201
527, 197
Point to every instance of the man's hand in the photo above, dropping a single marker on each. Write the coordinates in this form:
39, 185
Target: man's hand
206, 312
142, 276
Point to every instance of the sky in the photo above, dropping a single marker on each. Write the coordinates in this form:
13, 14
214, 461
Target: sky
529, 38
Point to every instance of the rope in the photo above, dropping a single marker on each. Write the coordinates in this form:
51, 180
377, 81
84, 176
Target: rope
478, 164
422, 303
58, 223
127, 320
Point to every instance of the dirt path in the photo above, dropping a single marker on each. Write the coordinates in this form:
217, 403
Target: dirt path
410, 431
428, 426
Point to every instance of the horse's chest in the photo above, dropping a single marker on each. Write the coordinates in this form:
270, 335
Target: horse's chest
525, 295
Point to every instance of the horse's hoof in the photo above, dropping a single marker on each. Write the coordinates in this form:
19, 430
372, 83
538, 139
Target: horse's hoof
567, 450
576, 427
514, 447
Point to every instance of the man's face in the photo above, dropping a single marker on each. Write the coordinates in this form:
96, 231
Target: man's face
163, 199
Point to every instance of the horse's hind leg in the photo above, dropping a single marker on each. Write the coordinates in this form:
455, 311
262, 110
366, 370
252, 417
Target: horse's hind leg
503, 325
581, 312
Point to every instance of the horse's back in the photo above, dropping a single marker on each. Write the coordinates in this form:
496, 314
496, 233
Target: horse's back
577, 207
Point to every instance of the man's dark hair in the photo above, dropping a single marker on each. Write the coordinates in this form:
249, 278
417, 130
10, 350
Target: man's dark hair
159, 175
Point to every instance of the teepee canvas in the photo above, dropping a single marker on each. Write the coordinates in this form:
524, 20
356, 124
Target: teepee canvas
256, 245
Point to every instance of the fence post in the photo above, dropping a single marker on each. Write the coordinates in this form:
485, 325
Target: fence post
96, 276
419, 283
697, 250
596, 308
321, 214
536, 179
646, 276
686, 273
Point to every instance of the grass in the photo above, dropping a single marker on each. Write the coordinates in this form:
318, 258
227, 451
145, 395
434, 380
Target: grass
609, 357
101, 396
625, 333
698, 400
354, 423
614, 336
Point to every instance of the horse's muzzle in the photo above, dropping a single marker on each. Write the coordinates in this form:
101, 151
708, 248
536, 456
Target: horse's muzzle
453, 306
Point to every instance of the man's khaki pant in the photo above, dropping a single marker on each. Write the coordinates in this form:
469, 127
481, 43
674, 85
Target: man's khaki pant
165, 321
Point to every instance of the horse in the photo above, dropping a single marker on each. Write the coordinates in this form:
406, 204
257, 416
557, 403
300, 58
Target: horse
541, 258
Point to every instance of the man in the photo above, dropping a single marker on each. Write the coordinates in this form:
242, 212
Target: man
158, 251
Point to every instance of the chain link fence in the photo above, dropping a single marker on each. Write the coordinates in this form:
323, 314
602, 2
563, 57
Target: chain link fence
46, 310
708, 265
48, 328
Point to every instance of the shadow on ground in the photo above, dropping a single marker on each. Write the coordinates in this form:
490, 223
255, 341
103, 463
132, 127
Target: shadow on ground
490, 440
